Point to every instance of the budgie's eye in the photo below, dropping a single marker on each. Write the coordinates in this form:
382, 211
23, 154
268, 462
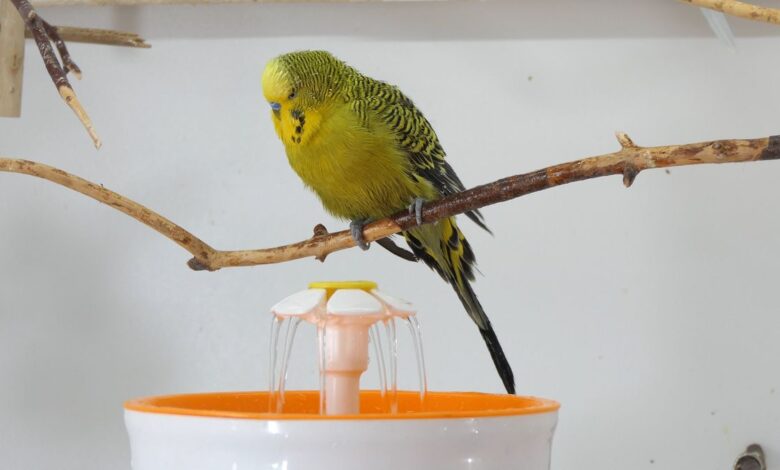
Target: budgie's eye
292, 95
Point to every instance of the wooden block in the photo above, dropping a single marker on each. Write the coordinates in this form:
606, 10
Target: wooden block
11, 60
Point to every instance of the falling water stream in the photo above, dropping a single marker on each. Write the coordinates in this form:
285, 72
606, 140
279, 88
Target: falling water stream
273, 345
392, 340
422, 375
280, 362
321, 331
375, 336
386, 358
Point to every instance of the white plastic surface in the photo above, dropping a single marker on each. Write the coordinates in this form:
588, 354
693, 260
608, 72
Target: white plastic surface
300, 303
396, 306
353, 302
174, 442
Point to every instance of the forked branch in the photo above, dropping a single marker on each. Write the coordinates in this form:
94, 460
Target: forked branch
629, 161
44, 35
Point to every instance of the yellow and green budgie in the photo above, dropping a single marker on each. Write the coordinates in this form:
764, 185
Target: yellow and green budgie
364, 148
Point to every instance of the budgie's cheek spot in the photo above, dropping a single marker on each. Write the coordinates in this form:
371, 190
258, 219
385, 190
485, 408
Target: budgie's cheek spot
298, 115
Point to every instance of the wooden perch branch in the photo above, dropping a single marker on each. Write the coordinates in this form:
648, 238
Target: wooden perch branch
96, 191
106, 37
628, 162
44, 35
740, 9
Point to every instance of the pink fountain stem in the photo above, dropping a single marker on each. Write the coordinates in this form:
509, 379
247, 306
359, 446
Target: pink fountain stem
346, 358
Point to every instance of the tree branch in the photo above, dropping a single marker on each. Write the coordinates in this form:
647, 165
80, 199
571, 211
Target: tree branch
44, 34
628, 162
740, 9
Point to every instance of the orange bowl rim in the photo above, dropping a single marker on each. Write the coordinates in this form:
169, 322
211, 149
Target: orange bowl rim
491, 405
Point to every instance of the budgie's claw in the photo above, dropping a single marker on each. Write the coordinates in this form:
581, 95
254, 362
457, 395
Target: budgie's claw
356, 229
416, 208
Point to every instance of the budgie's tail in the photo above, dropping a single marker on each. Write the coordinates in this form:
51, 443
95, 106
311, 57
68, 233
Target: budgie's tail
474, 308
445, 250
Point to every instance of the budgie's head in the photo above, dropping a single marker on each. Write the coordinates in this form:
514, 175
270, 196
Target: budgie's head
302, 80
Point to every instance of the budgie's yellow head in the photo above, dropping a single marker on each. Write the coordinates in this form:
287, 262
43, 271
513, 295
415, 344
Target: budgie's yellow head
299, 86
302, 79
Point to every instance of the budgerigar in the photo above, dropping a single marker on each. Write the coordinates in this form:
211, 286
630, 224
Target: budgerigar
364, 148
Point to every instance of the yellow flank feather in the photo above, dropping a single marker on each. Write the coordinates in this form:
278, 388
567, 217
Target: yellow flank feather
367, 152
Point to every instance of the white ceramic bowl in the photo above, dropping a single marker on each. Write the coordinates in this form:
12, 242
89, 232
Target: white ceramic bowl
233, 431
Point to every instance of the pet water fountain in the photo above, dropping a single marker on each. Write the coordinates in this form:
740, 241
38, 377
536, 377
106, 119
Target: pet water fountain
340, 426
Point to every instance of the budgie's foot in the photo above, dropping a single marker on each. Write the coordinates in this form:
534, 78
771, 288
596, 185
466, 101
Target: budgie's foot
416, 208
356, 229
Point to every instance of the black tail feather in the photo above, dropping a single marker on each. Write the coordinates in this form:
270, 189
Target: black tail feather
389, 245
469, 300
459, 277
497, 353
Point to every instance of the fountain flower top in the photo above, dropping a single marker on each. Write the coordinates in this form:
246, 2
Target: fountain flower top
348, 316
348, 298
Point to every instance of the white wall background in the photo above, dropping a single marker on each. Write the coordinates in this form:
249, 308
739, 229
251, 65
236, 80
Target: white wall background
650, 313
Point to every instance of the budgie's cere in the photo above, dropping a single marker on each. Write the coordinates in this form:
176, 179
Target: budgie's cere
364, 148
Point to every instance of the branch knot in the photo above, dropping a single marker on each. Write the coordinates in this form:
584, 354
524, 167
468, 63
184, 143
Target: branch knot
630, 171
320, 231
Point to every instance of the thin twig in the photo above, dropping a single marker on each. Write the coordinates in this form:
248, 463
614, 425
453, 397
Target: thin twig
744, 10
628, 162
106, 37
44, 34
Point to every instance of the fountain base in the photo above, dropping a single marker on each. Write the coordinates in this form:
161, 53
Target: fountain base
236, 431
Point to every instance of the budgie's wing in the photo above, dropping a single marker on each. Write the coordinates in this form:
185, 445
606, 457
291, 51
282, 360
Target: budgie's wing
417, 139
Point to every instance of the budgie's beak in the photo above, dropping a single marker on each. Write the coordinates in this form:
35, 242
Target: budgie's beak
275, 106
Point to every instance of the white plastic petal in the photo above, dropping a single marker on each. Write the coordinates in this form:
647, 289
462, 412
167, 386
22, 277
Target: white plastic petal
353, 302
395, 305
300, 303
